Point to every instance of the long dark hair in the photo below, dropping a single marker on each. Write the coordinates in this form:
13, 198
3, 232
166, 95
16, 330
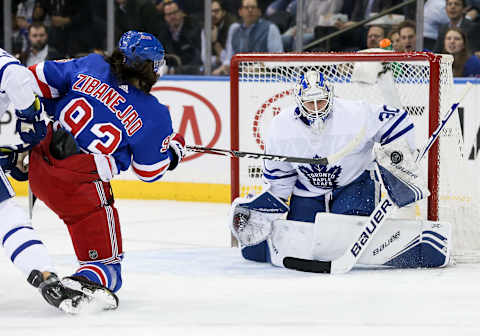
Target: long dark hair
460, 58
140, 74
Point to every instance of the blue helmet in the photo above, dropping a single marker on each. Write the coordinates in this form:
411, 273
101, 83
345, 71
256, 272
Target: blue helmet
141, 47
314, 89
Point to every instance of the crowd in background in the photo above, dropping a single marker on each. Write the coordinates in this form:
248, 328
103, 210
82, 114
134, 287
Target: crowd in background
52, 29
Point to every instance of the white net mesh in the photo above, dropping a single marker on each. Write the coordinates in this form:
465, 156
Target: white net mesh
266, 87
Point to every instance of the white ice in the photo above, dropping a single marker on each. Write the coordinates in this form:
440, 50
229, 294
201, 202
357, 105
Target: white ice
182, 278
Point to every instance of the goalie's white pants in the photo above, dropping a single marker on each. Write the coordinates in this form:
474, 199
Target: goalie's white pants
398, 243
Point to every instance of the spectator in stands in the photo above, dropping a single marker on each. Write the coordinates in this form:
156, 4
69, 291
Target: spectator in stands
181, 40
25, 10
465, 64
221, 22
394, 37
19, 37
252, 35
70, 26
315, 13
362, 9
473, 9
38, 50
374, 35
408, 36
435, 16
455, 12
289, 6
138, 15
233, 6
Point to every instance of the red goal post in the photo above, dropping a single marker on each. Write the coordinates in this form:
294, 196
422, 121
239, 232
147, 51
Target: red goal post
262, 84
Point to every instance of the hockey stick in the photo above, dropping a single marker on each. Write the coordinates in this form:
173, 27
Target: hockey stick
320, 161
381, 212
346, 262
436, 133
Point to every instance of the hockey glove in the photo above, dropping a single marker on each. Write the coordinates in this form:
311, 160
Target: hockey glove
12, 161
31, 113
30, 125
176, 149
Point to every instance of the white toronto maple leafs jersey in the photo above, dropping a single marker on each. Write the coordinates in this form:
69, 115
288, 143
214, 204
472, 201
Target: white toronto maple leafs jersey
289, 135
16, 83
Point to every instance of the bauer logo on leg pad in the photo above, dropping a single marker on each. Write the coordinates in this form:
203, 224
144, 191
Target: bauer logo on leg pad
378, 217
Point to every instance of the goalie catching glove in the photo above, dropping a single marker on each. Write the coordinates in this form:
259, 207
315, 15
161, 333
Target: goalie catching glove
251, 220
403, 178
176, 150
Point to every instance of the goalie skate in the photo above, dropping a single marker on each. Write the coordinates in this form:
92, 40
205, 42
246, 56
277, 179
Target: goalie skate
98, 297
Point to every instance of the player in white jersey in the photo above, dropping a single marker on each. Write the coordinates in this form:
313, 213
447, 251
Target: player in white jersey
322, 126
19, 239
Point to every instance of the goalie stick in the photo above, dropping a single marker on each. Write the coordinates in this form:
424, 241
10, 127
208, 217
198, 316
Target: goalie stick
320, 161
381, 212
436, 133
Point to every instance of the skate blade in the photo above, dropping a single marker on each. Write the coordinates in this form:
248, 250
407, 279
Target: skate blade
96, 299
68, 307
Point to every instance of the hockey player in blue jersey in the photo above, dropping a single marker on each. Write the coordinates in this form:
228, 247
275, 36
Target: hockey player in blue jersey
362, 137
17, 236
105, 121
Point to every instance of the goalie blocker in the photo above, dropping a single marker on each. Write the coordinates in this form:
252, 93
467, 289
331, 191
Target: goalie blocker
264, 237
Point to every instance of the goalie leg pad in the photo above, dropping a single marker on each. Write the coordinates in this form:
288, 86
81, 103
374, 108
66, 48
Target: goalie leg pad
430, 248
259, 252
288, 238
399, 243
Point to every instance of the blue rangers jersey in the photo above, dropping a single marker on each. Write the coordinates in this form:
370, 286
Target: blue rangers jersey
289, 135
105, 117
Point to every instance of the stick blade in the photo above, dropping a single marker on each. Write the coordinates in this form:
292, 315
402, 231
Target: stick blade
305, 265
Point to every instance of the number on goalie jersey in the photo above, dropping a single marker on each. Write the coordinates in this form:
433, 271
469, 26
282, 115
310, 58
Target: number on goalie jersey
108, 121
321, 125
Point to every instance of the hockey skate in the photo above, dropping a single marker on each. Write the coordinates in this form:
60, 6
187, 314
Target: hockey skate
55, 293
99, 297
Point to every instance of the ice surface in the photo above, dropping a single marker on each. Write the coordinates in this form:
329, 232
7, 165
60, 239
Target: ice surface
181, 278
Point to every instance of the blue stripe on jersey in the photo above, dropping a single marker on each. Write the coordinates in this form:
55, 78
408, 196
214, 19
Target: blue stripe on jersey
271, 177
23, 247
274, 170
5, 66
395, 124
402, 132
300, 185
9, 233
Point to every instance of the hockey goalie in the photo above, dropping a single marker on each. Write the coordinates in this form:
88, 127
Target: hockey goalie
330, 205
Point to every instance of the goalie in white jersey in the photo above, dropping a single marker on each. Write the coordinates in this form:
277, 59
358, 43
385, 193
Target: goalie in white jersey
324, 126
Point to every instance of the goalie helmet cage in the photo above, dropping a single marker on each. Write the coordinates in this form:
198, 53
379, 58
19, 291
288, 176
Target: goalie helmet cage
421, 83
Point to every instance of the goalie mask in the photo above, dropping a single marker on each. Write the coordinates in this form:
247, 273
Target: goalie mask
140, 47
314, 96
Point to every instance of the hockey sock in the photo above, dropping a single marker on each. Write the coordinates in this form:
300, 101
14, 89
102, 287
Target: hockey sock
109, 276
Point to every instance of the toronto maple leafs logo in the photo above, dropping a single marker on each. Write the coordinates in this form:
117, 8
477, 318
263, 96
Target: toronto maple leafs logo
321, 177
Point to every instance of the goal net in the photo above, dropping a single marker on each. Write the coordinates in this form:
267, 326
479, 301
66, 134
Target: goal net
420, 83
